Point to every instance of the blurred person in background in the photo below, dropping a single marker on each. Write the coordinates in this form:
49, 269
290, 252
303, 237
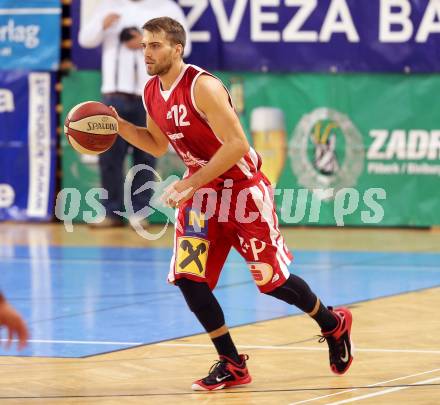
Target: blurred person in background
115, 25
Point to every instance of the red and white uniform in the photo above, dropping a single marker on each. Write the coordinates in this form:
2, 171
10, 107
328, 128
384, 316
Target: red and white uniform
206, 232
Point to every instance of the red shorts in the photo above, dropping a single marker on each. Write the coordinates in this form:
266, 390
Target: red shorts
242, 217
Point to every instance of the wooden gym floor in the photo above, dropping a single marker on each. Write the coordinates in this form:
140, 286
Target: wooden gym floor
106, 329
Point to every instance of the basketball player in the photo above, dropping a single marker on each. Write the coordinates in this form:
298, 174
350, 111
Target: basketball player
191, 109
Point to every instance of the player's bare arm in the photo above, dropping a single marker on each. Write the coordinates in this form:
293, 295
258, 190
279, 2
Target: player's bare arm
150, 139
213, 101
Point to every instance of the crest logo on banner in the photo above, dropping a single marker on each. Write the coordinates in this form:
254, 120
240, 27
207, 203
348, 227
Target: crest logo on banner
326, 150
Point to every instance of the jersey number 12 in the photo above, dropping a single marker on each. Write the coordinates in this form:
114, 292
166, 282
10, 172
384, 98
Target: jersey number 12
179, 113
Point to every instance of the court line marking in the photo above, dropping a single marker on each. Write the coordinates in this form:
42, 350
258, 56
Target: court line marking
232, 263
79, 342
220, 394
267, 347
370, 385
83, 261
383, 392
305, 348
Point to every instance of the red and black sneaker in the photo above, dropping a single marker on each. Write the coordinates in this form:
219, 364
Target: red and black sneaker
339, 342
223, 374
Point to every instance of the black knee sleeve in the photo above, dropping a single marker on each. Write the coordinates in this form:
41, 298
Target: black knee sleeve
203, 303
295, 291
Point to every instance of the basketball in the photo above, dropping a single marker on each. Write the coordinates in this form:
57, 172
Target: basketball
91, 127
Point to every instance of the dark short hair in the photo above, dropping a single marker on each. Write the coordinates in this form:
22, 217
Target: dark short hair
174, 30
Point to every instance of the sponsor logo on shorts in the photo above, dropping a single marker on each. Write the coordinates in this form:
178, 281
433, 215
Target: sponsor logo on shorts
192, 255
195, 223
261, 272
257, 246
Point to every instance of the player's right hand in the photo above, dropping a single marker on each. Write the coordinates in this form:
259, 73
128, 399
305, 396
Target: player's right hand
122, 124
110, 19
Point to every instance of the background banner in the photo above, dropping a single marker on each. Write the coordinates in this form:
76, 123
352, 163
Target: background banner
301, 35
30, 34
342, 149
355, 149
27, 145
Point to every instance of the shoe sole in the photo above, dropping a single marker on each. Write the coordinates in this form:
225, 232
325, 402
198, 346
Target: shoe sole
197, 387
229, 384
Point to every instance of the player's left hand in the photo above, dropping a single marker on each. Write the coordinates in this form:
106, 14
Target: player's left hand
178, 192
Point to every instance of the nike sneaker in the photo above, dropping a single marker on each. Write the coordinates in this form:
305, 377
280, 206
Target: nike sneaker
339, 342
224, 373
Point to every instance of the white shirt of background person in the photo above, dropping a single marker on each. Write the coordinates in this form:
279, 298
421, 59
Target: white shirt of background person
123, 68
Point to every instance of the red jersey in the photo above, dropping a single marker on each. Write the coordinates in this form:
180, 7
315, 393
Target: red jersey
176, 114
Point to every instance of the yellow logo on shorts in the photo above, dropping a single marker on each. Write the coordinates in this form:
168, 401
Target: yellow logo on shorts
196, 223
196, 219
192, 254
261, 272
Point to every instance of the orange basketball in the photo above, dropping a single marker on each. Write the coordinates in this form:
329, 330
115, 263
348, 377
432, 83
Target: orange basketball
91, 127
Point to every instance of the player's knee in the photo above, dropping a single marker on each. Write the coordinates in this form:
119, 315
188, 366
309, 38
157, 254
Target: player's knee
196, 294
295, 291
203, 303
284, 293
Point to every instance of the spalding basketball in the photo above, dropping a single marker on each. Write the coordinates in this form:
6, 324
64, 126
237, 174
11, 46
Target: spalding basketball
91, 127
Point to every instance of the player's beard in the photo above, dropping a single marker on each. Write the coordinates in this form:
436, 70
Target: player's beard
161, 69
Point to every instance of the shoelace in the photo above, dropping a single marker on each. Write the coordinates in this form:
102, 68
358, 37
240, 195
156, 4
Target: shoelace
333, 345
217, 369
220, 365
321, 339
